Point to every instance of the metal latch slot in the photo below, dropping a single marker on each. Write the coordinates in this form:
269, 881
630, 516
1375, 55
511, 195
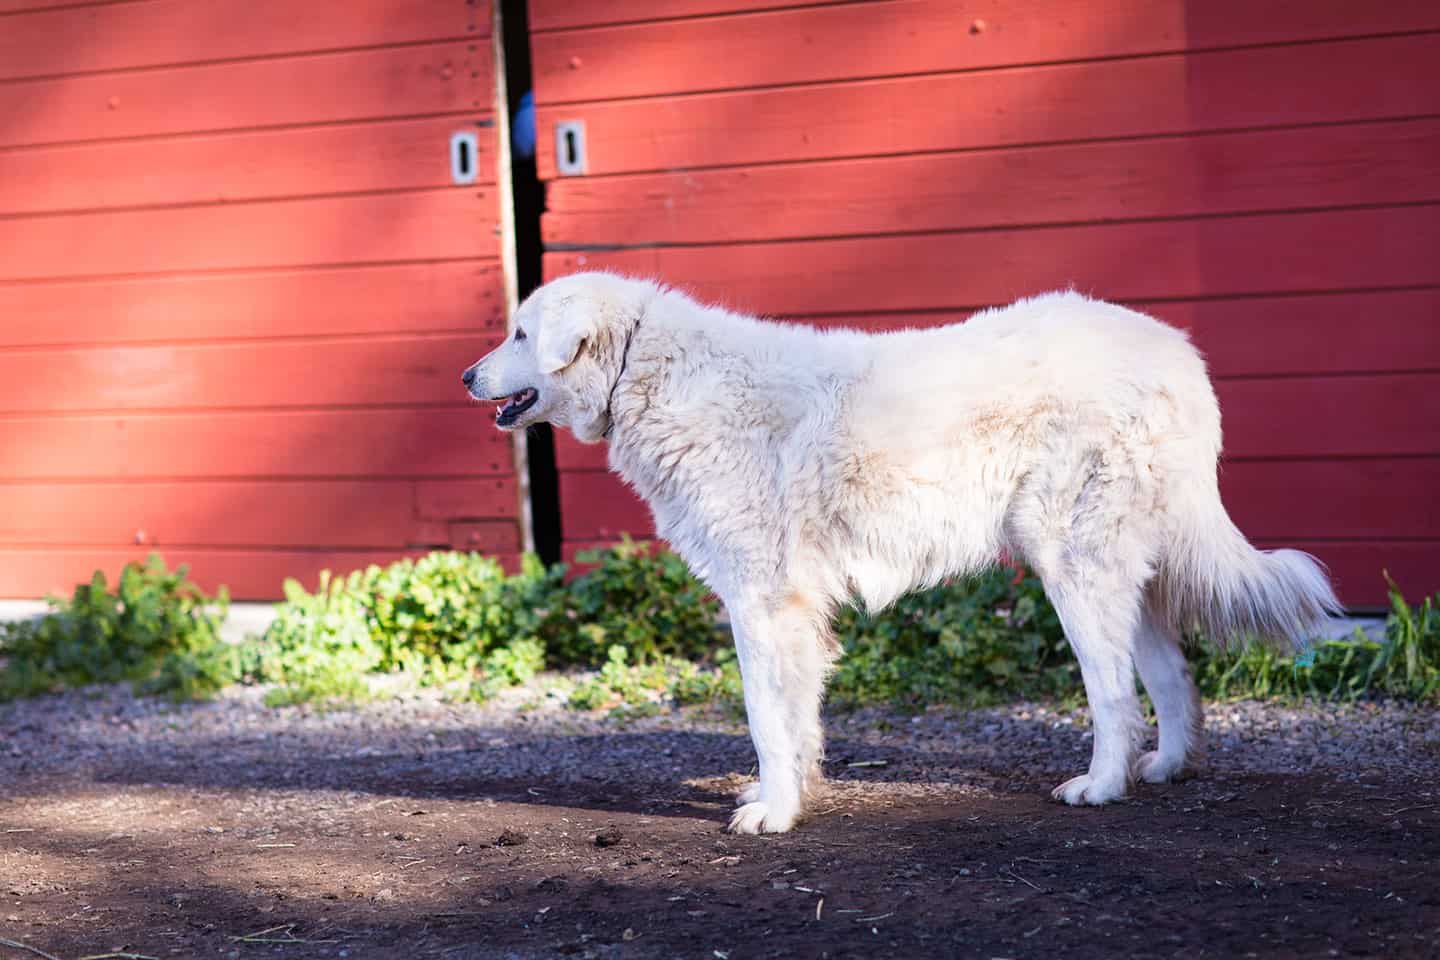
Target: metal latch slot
464, 156
570, 147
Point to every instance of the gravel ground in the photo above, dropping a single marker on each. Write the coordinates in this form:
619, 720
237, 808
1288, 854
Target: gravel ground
381, 830
100, 730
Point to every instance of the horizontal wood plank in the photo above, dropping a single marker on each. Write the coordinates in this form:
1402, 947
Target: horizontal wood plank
370, 300
356, 85
567, 14
249, 574
1331, 416
598, 506
472, 498
1363, 499
453, 223
1367, 163
850, 41
1334, 333
332, 443
484, 536
239, 375
226, 168
1273, 253
571, 454
18, 6
309, 514
90, 39
1311, 83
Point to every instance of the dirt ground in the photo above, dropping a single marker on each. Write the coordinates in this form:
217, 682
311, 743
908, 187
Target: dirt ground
413, 828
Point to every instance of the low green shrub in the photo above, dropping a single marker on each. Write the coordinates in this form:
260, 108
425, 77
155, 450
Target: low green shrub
981, 640
638, 597
641, 618
443, 618
457, 617
1405, 665
640, 689
157, 630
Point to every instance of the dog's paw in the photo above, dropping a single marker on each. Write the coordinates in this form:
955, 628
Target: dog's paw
1154, 767
1085, 789
748, 795
759, 817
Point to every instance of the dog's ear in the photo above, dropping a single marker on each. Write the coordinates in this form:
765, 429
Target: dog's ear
563, 332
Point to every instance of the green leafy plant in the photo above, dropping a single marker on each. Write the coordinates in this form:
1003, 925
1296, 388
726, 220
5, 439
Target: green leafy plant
981, 640
638, 597
639, 616
443, 618
1406, 664
640, 689
319, 646
157, 630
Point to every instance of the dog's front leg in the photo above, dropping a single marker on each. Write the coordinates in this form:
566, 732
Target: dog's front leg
783, 664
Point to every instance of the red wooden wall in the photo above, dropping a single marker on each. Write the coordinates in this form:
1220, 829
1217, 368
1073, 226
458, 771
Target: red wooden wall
1261, 173
237, 288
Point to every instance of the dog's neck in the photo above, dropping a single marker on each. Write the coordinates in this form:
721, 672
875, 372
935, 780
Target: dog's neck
620, 374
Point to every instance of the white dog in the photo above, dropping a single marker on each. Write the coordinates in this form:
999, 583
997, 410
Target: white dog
795, 469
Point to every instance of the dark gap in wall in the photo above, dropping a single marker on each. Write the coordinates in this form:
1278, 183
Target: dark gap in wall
528, 194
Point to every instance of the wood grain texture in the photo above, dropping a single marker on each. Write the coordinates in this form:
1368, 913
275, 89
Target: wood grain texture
328, 443
1364, 499
454, 223
472, 498
403, 81
849, 41
597, 506
1332, 416
571, 454
1312, 83
565, 14
391, 370
169, 32
368, 300
1332, 333
1273, 253
226, 168
1270, 170
313, 513
249, 574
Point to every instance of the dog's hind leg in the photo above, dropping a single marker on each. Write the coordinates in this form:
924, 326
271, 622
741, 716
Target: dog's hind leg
783, 662
1099, 614
1166, 676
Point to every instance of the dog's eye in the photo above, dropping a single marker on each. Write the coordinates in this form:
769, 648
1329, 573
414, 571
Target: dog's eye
519, 334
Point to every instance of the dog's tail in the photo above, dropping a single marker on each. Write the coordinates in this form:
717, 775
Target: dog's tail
1211, 578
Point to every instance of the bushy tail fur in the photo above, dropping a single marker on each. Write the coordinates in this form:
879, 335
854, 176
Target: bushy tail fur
1212, 579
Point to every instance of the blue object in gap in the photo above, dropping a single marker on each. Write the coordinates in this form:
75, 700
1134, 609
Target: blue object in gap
522, 130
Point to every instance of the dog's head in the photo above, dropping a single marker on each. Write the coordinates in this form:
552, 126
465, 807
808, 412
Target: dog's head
562, 361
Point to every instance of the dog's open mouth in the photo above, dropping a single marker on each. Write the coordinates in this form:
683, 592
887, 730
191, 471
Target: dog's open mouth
516, 404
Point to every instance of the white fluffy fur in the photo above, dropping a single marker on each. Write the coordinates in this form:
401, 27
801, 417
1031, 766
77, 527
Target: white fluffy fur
794, 469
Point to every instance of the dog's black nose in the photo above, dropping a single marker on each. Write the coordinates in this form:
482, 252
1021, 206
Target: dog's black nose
468, 377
